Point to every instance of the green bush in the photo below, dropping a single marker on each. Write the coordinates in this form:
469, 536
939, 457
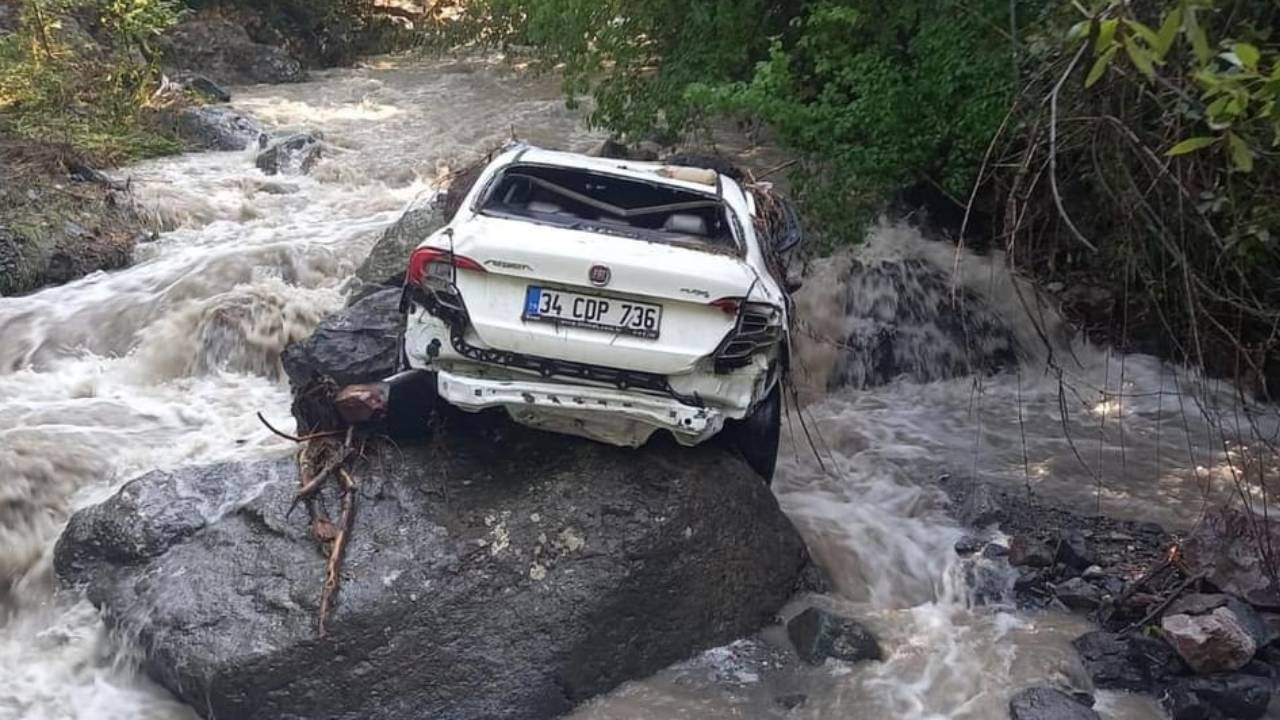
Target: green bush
77, 72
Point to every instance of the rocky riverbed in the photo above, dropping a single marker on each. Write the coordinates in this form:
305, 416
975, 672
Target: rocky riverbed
148, 380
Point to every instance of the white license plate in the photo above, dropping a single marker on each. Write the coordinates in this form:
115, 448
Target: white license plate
625, 317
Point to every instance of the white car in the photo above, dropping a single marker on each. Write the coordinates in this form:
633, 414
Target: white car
605, 299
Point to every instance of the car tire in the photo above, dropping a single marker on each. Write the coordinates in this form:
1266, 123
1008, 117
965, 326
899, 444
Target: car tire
756, 436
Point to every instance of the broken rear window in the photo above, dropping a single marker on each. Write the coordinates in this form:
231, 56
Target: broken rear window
596, 202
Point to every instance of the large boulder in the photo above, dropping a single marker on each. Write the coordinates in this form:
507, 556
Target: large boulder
483, 579
53, 231
1127, 661
818, 635
1222, 639
1212, 697
219, 128
389, 257
1042, 703
223, 52
293, 155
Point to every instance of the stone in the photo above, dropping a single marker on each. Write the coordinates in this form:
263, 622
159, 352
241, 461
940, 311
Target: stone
791, 701
995, 551
1127, 662
969, 545
1074, 550
1024, 550
219, 128
1093, 572
1217, 641
1043, 703
818, 634
981, 506
1078, 594
481, 581
294, 155
1224, 548
389, 258
1240, 697
223, 52
207, 89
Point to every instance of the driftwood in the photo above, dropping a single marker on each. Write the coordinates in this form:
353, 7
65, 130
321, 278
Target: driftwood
321, 457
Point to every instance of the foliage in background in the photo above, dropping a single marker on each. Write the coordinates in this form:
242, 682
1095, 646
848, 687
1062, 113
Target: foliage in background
876, 96
79, 72
1143, 160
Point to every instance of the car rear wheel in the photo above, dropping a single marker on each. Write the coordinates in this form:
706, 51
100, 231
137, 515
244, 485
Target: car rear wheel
756, 436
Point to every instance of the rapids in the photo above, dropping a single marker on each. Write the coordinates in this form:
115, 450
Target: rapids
166, 362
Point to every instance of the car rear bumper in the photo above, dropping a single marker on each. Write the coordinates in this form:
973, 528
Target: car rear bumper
613, 416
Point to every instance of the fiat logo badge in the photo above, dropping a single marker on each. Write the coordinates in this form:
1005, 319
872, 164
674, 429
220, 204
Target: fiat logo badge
599, 275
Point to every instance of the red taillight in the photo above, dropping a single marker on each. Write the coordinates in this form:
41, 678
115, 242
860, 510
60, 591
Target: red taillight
422, 257
728, 305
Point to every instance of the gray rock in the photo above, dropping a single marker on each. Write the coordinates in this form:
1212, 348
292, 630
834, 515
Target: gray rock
1127, 662
1240, 697
981, 507
969, 545
207, 89
1078, 594
1025, 550
220, 128
1217, 641
818, 635
477, 584
1225, 549
223, 52
294, 155
1074, 550
1042, 703
1093, 572
389, 257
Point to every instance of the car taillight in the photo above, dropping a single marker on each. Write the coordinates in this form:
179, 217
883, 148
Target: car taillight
758, 326
727, 305
434, 262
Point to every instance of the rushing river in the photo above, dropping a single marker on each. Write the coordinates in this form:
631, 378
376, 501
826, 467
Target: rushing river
166, 362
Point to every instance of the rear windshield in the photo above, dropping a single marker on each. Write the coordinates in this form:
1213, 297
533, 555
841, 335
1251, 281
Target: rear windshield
612, 205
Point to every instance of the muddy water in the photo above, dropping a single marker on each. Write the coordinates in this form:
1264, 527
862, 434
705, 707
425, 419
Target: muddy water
166, 363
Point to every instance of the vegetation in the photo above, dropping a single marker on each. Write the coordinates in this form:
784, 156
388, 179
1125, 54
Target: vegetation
79, 72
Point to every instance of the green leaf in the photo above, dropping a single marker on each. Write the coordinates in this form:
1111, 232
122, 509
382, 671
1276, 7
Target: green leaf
1199, 41
1168, 32
1248, 55
1106, 34
1099, 67
1147, 34
1141, 58
1079, 31
1241, 155
1191, 145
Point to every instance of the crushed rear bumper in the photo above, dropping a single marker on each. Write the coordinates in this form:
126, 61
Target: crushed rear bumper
604, 414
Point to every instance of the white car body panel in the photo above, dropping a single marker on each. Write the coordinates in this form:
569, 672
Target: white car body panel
519, 252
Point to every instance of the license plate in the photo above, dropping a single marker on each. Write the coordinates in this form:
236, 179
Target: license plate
571, 309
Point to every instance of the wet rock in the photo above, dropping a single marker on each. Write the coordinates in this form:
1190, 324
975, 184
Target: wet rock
1239, 697
814, 579
360, 344
208, 89
1026, 550
969, 545
981, 507
477, 584
1042, 703
294, 155
791, 701
389, 257
995, 551
223, 52
1074, 550
818, 635
1127, 662
1217, 641
1078, 594
52, 232
1093, 572
1225, 548
219, 128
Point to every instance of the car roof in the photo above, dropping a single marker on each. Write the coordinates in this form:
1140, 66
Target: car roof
639, 170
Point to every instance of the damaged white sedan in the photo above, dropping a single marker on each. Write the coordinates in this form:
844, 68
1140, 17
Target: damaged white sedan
605, 299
